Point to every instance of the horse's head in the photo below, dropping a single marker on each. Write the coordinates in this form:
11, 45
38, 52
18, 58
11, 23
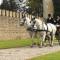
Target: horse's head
22, 21
37, 24
33, 23
25, 21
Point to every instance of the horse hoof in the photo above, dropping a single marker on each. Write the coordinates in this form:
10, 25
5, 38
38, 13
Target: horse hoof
34, 43
32, 46
40, 46
59, 44
51, 45
45, 45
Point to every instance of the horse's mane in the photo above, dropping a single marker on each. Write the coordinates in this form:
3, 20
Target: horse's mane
41, 20
28, 19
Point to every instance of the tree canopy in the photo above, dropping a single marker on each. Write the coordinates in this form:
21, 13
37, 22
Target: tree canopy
36, 6
9, 5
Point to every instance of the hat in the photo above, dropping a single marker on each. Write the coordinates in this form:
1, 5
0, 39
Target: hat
49, 15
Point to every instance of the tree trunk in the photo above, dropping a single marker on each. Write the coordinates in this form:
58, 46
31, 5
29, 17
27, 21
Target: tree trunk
48, 8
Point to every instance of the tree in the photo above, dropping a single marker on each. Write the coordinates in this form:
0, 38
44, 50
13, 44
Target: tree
13, 5
5, 5
36, 6
9, 5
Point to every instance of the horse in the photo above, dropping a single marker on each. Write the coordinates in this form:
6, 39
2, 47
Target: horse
44, 29
29, 26
48, 29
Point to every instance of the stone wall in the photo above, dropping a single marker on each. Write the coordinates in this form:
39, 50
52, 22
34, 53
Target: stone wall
10, 25
11, 29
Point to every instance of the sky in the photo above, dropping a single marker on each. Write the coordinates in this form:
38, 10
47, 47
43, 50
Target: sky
1, 1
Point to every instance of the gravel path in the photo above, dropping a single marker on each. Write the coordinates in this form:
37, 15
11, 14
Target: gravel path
25, 53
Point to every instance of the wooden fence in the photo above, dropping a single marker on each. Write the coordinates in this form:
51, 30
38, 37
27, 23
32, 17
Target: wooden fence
12, 14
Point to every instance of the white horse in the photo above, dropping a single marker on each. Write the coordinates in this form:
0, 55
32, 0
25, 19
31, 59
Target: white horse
47, 30
44, 29
29, 26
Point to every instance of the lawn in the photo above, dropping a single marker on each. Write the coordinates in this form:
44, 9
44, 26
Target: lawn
17, 43
14, 43
52, 56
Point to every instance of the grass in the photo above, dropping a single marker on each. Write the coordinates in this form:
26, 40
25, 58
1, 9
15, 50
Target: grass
14, 43
52, 56
17, 43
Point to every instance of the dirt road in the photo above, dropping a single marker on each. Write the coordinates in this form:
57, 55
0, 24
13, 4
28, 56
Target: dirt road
25, 53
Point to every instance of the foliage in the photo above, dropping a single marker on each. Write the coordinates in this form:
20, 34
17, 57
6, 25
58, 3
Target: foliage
4, 4
13, 5
35, 5
9, 5
56, 7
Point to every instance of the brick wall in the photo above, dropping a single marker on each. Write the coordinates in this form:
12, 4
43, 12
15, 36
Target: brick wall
10, 28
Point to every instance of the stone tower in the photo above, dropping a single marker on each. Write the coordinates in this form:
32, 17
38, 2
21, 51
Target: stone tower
48, 8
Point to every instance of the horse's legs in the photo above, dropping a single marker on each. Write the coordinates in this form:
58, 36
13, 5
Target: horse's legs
50, 41
32, 36
52, 38
49, 37
42, 38
30, 33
